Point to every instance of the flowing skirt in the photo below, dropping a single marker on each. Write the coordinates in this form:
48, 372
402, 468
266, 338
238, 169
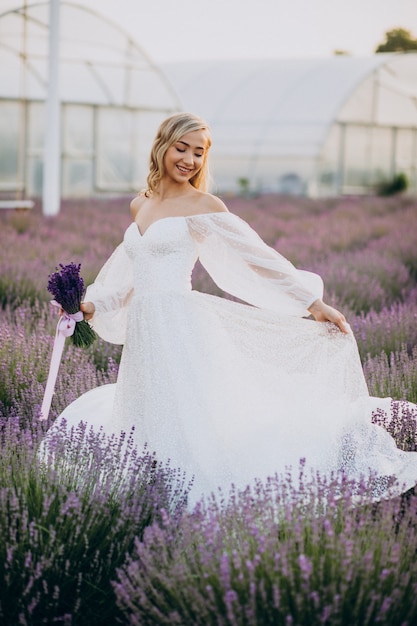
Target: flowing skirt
231, 393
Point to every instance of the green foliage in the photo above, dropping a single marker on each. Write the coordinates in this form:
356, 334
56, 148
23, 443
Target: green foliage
25, 351
270, 558
397, 184
69, 513
386, 331
393, 375
244, 184
15, 290
398, 40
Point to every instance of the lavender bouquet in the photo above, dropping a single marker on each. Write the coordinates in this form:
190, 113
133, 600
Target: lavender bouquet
67, 287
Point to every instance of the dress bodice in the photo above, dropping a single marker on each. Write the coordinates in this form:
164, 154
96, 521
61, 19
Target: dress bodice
163, 257
161, 260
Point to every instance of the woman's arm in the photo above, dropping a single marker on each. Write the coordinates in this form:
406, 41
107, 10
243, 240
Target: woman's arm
245, 266
242, 264
107, 300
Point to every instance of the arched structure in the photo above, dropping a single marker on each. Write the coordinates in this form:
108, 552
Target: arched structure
112, 99
315, 127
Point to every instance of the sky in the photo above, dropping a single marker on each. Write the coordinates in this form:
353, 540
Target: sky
183, 30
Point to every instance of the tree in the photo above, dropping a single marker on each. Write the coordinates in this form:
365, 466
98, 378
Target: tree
398, 40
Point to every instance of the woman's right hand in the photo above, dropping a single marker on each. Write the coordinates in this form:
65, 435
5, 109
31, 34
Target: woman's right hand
322, 312
88, 309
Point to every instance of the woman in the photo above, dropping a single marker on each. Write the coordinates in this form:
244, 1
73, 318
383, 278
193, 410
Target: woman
228, 392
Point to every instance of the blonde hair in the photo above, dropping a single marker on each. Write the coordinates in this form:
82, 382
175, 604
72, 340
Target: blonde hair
169, 132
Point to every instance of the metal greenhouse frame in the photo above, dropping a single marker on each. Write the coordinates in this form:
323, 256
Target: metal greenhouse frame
316, 127
112, 98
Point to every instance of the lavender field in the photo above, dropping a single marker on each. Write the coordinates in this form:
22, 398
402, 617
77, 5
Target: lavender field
104, 537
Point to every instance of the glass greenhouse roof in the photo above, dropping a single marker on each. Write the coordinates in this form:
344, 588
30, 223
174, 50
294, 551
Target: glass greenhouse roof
287, 107
310, 126
100, 63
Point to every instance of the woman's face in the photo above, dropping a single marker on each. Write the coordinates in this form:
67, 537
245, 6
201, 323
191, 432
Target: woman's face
186, 157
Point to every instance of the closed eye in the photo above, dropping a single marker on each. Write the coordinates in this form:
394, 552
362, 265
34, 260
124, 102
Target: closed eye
198, 156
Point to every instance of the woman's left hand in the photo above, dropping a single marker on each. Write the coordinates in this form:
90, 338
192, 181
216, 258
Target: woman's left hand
322, 312
88, 309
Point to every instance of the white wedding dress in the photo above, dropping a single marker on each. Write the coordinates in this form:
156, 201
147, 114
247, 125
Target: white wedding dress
227, 391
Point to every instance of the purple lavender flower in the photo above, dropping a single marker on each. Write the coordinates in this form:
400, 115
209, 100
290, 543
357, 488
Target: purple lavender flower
67, 287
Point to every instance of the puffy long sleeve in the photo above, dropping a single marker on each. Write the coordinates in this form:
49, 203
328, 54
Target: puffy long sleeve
242, 264
111, 294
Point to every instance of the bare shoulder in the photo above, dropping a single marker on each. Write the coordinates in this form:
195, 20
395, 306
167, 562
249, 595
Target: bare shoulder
137, 203
211, 204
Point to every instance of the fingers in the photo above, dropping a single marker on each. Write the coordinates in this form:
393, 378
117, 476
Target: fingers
344, 327
339, 320
88, 309
324, 313
342, 324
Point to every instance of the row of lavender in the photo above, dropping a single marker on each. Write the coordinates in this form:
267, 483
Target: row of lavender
93, 535
99, 536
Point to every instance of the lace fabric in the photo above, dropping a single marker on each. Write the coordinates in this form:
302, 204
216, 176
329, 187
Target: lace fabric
234, 255
226, 391
241, 264
112, 293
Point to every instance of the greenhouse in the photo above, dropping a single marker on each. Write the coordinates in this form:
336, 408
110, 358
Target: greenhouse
112, 98
340, 125
317, 127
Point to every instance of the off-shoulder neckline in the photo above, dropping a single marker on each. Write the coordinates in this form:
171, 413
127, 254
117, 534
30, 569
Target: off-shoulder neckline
173, 217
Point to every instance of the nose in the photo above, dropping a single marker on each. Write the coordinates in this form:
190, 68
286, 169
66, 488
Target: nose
188, 158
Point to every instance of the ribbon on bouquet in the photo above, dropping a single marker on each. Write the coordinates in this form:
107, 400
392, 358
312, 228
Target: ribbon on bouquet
65, 328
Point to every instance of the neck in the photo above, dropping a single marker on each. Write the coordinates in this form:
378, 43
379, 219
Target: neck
168, 190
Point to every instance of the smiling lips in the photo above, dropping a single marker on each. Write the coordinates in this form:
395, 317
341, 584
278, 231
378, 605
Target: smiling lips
184, 170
